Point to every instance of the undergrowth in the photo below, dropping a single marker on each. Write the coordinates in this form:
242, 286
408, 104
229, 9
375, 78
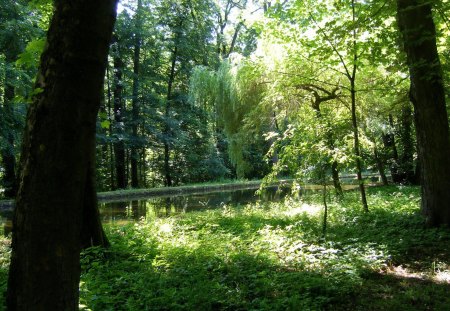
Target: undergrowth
274, 257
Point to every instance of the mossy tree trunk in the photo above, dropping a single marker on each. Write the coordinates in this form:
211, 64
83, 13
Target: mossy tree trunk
427, 94
57, 176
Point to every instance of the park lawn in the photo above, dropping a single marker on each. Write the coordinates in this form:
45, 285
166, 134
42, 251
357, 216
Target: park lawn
273, 257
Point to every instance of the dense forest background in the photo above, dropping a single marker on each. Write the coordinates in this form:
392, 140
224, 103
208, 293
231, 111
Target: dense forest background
201, 90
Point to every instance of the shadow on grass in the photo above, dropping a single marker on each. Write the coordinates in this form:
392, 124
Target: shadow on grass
390, 292
158, 277
197, 281
184, 281
403, 235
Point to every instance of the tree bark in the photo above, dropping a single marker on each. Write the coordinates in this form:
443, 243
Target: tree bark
416, 25
57, 159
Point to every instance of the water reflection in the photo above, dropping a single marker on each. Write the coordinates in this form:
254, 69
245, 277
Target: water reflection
168, 206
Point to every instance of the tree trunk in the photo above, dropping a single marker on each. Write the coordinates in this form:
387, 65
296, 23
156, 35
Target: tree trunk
167, 130
56, 178
7, 118
362, 189
110, 144
380, 164
330, 143
135, 100
352, 79
416, 25
407, 157
390, 144
119, 145
336, 181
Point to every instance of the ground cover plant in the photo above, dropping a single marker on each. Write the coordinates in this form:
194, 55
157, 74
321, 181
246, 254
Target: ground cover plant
273, 257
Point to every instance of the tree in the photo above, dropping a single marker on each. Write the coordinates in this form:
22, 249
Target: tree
16, 24
427, 94
119, 111
135, 100
57, 164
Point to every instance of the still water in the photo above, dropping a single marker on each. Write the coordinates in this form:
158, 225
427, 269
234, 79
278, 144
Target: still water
164, 206
172, 205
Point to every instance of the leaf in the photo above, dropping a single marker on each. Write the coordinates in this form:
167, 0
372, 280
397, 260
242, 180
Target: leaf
30, 57
105, 124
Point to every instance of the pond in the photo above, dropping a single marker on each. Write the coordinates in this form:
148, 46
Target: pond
124, 211
164, 206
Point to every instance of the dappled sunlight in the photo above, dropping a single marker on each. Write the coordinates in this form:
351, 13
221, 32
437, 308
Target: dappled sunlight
274, 257
304, 208
403, 272
166, 228
442, 276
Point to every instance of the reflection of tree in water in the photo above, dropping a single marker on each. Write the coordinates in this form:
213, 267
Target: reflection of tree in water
151, 208
168, 206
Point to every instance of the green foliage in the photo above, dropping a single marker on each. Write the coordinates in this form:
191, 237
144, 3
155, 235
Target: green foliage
5, 253
271, 257
233, 93
30, 57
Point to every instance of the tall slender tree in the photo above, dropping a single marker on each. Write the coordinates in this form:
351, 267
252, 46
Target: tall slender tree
56, 180
119, 111
135, 100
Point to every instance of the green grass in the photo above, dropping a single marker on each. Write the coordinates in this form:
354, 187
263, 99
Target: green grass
272, 257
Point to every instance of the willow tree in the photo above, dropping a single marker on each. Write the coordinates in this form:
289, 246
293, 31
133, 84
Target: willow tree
56, 212
233, 93
427, 94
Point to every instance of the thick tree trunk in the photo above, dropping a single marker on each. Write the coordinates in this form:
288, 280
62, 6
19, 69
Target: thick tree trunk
56, 163
119, 145
427, 94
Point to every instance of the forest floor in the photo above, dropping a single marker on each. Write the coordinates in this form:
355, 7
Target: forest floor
273, 256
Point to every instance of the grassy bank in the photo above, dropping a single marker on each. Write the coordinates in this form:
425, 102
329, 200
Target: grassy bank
273, 257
